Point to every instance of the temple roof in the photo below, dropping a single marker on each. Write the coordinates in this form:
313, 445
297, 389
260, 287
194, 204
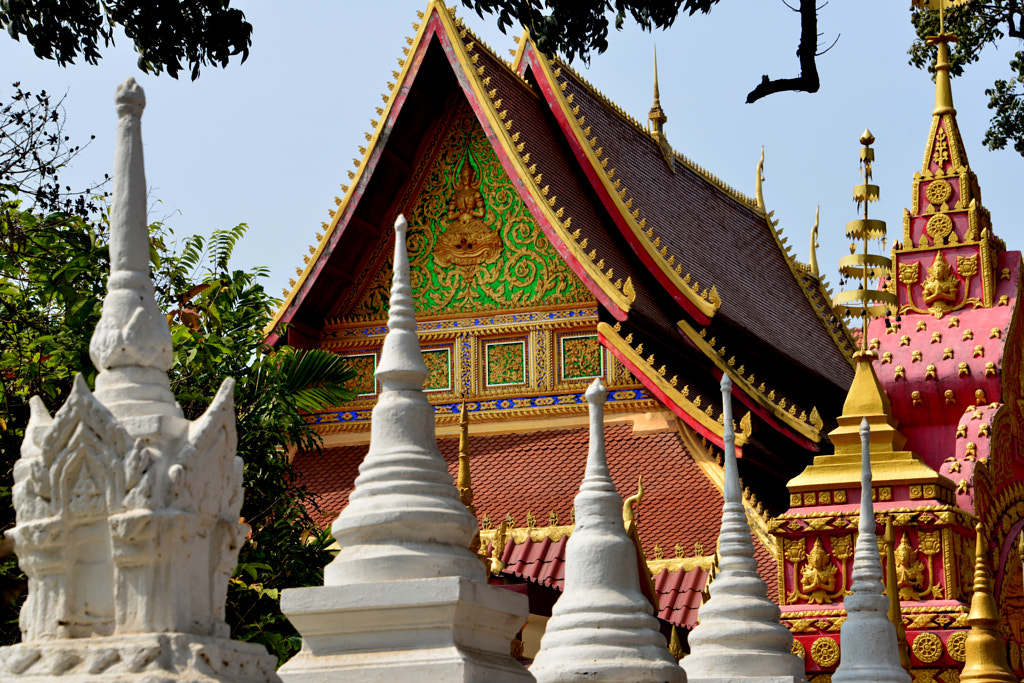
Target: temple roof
611, 208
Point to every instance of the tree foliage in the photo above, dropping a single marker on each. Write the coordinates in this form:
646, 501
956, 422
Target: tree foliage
165, 32
979, 25
53, 270
576, 29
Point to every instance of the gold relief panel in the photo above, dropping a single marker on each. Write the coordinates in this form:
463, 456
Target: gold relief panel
439, 369
505, 363
363, 365
580, 357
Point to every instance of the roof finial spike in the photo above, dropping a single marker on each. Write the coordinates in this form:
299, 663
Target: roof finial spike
758, 192
657, 115
943, 86
813, 258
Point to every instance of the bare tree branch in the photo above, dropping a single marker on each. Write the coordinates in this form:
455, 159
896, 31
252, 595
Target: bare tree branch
808, 80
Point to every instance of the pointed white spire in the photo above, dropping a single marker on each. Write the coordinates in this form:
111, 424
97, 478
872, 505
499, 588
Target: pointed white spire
602, 628
131, 345
739, 635
406, 599
870, 651
404, 519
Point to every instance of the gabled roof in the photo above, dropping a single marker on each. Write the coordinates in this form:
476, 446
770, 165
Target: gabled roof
611, 207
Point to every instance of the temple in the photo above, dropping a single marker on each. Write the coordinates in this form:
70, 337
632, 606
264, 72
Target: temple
554, 239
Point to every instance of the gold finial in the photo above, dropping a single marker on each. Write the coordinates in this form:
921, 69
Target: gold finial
758, 193
985, 651
892, 592
813, 258
943, 87
628, 516
465, 484
657, 114
873, 303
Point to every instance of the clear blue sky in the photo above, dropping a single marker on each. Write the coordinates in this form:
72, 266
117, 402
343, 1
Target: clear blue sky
268, 142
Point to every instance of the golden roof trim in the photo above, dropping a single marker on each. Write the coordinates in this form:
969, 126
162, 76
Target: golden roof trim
804, 425
686, 564
620, 293
707, 302
666, 386
356, 176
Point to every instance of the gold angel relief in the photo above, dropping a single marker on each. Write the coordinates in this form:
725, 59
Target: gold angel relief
817, 579
916, 579
940, 289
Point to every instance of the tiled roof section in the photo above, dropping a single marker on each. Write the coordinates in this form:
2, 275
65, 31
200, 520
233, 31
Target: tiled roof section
540, 473
680, 595
541, 561
724, 241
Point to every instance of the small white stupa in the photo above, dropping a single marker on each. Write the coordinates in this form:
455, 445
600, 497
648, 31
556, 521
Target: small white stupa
739, 637
602, 628
870, 651
405, 598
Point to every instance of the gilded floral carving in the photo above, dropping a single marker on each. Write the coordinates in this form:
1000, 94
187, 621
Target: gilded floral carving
581, 357
473, 245
505, 364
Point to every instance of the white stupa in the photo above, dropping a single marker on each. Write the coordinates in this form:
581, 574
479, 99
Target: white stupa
739, 637
870, 651
602, 628
405, 598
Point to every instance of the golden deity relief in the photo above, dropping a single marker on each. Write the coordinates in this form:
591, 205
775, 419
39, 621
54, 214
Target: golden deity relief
940, 285
819, 581
941, 289
467, 240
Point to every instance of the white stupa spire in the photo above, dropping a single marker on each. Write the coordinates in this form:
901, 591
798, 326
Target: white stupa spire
870, 651
739, 636
602, 628
406, 599
131, 346
404, 519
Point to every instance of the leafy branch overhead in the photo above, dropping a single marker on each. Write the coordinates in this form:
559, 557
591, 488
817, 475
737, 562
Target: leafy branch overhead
165, 34
577, 29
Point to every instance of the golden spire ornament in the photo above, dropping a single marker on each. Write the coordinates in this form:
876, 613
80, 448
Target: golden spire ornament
985, 651
872, 303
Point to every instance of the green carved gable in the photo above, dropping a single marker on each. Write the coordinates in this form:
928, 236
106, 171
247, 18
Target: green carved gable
473, 246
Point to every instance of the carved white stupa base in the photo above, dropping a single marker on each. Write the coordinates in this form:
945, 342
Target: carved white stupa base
139, 658
442, 629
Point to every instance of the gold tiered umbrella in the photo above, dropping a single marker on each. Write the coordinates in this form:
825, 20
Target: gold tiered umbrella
865, 302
